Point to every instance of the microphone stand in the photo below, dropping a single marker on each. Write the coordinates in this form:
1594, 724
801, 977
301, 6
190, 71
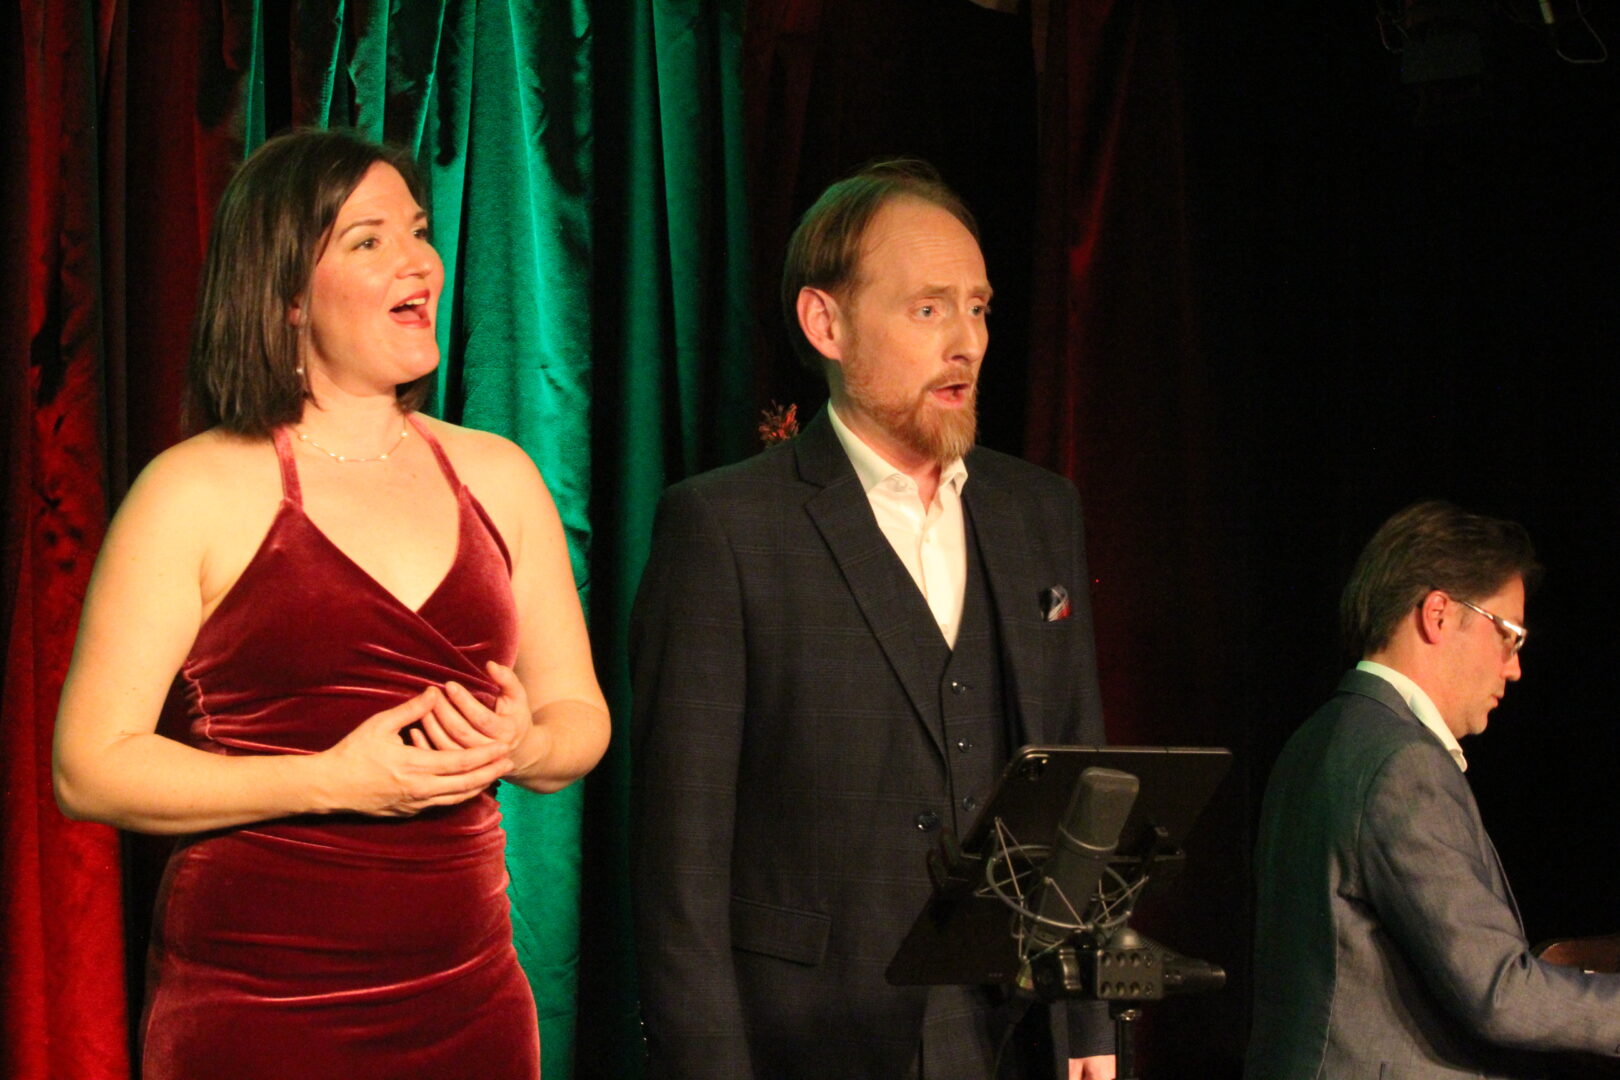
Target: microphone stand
1119, 966
1125, 1018
1126, 971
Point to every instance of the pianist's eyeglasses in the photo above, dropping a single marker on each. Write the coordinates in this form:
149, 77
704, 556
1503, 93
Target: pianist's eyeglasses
1512, 631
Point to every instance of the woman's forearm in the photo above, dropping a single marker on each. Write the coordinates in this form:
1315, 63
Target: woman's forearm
148, 783
565, 742
152, 784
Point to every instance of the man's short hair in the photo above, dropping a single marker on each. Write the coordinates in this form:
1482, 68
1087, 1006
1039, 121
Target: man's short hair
825, 250
1429, 545
272, 223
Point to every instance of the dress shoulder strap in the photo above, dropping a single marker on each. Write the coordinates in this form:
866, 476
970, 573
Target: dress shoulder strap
438, 451
290, 489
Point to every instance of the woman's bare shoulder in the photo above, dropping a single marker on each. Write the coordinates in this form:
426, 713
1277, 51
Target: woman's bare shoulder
484, 459
210, 478
504, 479
211, 465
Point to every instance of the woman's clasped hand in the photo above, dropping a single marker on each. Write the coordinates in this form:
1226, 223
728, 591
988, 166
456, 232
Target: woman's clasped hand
375, 770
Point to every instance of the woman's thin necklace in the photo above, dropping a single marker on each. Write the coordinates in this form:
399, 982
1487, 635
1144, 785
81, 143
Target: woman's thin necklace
344, 459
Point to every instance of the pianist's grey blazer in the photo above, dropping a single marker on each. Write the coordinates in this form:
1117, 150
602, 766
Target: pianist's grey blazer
1388, 945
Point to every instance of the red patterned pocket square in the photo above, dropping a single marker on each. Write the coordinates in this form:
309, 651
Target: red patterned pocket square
1055, 603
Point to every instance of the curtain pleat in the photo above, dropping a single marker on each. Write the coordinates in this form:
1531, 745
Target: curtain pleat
61, 962
672, 387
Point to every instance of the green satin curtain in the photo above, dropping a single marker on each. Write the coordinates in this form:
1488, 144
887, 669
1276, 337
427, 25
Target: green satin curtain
673, 386
585, 173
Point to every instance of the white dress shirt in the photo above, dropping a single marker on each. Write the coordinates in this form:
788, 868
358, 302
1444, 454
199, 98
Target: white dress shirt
1422, 707
932, 543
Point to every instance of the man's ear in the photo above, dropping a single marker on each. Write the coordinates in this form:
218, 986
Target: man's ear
820, 320
1431, 616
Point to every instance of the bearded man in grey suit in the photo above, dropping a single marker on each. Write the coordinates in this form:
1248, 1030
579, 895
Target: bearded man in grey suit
836, 647
1388, 945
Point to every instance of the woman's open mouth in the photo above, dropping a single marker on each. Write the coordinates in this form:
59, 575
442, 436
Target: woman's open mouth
412, 311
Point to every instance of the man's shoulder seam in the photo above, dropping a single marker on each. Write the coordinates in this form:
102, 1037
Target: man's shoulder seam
771, 467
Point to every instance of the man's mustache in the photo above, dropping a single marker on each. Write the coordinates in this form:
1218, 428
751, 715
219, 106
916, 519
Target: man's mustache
962, 377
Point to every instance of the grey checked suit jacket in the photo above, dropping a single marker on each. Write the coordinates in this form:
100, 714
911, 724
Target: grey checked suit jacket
1388, 946
781, 761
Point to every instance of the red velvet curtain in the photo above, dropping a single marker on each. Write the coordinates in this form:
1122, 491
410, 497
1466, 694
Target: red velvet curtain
1119, 387
109, 188
1124, 399
62, 979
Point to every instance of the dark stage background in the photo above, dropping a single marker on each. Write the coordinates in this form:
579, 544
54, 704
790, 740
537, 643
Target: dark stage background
1244, 299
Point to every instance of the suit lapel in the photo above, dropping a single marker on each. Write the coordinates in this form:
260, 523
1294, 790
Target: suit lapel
1013, 582
843, 516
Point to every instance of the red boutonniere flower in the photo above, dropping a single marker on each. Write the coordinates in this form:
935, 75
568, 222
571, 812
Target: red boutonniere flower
778, 424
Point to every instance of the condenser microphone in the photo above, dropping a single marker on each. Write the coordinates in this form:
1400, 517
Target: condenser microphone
1086, 837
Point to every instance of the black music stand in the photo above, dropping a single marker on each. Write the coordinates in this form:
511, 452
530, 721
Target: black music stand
974, 928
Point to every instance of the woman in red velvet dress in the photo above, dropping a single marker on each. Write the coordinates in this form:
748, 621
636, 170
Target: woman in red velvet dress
373, 619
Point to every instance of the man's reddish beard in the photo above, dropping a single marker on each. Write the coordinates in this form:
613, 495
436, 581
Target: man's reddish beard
941, 435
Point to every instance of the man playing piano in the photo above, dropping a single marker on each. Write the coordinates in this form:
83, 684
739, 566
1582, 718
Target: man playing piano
1388, 943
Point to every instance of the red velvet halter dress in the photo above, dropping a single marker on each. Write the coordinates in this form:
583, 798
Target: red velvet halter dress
340, 946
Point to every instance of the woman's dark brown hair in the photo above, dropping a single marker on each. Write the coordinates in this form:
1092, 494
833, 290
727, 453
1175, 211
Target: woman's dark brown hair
269, 230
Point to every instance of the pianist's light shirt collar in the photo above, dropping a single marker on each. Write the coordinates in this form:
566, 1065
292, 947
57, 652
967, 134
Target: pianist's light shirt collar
1422, 707
933, 543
